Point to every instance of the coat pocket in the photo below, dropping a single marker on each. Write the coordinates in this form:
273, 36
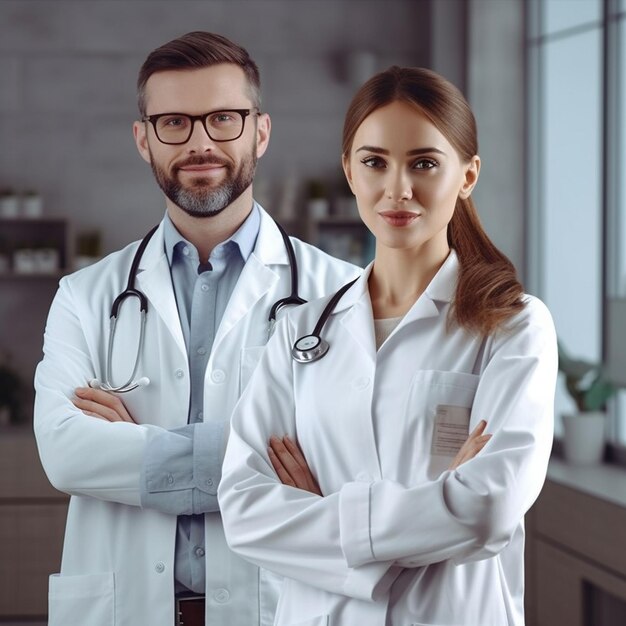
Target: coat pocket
439, 410
79, 600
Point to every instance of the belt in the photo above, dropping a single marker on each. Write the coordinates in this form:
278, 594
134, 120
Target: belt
190, 611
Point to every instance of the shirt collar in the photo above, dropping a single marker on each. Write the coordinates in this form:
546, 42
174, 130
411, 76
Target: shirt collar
244, 238
441, 288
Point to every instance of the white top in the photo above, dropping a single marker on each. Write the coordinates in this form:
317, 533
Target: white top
383, 328
397, 539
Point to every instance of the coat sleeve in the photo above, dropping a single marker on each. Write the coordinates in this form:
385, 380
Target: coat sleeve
470, 513
81, 455
289, 531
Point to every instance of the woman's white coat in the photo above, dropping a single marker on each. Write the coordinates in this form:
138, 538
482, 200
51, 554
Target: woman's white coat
397, 539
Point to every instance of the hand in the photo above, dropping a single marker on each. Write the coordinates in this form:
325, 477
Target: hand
101, 404
472, 446
290, 465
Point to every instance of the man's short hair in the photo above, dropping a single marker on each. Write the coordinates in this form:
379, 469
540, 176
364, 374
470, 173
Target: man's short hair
196, 50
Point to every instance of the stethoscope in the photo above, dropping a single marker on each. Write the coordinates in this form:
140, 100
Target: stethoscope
313, 347
305, 355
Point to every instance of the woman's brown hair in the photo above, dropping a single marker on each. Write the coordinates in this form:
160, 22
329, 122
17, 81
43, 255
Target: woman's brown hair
488, 292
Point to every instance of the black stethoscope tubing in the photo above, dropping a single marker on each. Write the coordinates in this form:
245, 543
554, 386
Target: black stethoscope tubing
293, 297
307, 349
313, 347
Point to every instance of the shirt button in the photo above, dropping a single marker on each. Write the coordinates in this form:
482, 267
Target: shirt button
218, 376
159, 567
209, 482
179, 373
221, 596
361, 383
186, 251
170, 479
199, 552
200, 415
201, 350
204, 287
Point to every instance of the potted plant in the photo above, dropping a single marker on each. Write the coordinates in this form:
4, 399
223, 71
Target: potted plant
590, 389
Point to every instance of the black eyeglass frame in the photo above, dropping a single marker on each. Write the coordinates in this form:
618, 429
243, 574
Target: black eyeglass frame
153, 119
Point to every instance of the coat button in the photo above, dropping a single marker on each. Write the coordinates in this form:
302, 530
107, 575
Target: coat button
221, 596
218, 376
159, 567
179, 373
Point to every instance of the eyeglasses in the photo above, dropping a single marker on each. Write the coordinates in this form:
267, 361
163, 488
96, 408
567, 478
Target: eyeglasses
176, 128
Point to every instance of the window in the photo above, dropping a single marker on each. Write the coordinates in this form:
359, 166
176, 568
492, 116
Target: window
576, 150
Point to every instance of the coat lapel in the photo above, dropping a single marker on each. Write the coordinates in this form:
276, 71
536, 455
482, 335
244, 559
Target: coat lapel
154, 279
257, 278
358, 319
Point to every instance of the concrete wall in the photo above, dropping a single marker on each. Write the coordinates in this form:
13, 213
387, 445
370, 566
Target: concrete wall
495, 89
67, 85
67, 102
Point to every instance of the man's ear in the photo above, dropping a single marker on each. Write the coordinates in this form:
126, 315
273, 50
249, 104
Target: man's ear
141, 140
472, 171
263, 131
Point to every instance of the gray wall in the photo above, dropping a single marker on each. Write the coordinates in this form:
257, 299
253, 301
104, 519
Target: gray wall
67, 103
495, 89
67, 79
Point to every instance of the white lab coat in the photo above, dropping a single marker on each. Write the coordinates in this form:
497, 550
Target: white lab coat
117, 566
397, 539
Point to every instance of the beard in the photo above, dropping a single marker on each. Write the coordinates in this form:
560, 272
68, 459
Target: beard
203, 197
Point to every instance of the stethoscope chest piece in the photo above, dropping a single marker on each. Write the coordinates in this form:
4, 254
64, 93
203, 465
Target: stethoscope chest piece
309, 348
312, 347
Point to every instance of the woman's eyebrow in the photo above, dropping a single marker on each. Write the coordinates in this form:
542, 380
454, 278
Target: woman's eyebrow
414, 152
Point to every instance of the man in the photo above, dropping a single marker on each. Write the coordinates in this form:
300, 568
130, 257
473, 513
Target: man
144, 543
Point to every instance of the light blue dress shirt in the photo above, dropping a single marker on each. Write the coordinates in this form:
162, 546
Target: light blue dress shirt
182, 467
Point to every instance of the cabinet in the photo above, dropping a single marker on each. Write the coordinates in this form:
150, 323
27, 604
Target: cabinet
34, 247
344, 237
34, 254
32, 522
576, 560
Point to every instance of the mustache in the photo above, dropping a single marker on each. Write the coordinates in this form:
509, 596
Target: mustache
201, 160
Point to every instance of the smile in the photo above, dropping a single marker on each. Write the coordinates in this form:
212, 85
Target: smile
201, 168
399, 219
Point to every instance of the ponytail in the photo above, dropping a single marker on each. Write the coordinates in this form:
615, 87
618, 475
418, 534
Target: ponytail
488, 292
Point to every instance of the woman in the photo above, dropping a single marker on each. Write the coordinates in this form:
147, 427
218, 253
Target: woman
433, 338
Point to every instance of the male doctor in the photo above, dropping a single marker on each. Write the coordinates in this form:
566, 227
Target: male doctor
144, 543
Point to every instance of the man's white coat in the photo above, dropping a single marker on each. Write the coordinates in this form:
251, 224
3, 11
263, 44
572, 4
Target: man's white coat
117, 567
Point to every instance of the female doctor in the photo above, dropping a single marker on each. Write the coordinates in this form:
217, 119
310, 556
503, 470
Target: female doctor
435, 337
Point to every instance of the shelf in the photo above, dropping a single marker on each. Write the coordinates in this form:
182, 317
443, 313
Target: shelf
32, 275
37, 244
39, 221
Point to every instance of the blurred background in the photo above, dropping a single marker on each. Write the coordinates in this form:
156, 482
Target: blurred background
547, 82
